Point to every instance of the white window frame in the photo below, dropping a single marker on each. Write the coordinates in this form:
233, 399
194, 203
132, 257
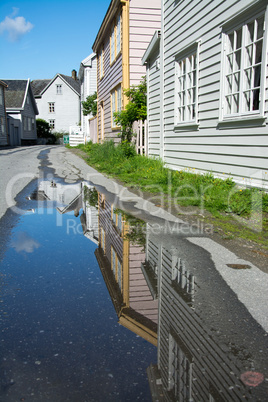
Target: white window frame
233, 26
59, 89
52, 124
1, 95
186, 83
51, 107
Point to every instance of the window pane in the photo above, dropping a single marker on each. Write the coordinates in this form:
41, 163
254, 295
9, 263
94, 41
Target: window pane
230, 43
257, 76
236, 103
230, 63
248, 76
247, 101
236, 82
250, 32
256, 99
229, 104
260, 26
258, 55
239, 38
249, 53
229, 84
237, 60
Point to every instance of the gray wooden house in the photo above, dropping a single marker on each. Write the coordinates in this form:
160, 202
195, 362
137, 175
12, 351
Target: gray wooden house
3, 117
21, 111
208, 88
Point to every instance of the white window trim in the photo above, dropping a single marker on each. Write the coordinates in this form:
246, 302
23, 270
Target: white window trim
190, 125
251, 118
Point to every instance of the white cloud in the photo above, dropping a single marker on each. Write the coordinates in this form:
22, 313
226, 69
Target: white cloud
15, 27
24, 242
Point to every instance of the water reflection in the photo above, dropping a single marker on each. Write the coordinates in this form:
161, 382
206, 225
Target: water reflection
164, 289
209, 346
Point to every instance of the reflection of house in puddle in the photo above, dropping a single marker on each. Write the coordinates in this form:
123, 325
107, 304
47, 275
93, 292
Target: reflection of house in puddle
120, 263
209, 346
71, 198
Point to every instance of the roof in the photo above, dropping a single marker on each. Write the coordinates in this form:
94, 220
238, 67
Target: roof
15, 93
40, 86
112, 10
3, 84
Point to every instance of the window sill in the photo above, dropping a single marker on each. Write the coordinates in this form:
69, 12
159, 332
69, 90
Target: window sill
187, 126
243, 122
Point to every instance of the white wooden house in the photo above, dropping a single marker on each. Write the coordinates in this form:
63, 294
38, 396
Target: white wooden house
58, 101
21, 112
88, 80
208, 88
3, 116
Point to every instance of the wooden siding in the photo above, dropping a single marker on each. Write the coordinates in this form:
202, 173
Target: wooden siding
144, 20
236, 150
3, 118
154, 104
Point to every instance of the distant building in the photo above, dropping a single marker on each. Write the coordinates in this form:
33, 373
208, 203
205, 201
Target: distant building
21, 112
88, 79
58, 101
3, 116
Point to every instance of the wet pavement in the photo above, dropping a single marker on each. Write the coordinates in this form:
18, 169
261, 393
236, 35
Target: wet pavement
105, 297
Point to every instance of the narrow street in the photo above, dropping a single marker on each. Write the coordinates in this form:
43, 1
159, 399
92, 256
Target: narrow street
80, 255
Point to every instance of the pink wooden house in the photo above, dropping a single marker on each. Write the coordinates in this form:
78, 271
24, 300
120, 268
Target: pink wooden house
122, 39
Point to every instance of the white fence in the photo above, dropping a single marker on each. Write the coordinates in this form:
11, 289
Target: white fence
76, 136
140, 128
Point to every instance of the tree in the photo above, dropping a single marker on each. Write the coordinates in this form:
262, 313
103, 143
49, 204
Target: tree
90, 105
42, 128
135, 110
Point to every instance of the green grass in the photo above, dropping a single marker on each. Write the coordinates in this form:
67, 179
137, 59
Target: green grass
185, 188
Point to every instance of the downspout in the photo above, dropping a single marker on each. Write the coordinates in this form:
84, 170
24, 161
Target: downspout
125, 49
162, 129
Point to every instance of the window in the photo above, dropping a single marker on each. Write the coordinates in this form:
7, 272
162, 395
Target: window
51, 107
59, 89
29, 124
115, 39
1, 95
101, 62
244, 69
32, 124
25, 123
186, 78
116, 102
52, 124
2, 125
116, 267
183, 281
180, 369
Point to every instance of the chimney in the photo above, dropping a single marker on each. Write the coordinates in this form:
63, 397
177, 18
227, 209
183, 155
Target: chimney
74, 75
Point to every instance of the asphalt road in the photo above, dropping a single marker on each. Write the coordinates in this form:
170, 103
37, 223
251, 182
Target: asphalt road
20, 165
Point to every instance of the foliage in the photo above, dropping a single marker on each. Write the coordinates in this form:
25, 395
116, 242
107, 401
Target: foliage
90, 105
44, 131
42, 128
135, 110
91, 196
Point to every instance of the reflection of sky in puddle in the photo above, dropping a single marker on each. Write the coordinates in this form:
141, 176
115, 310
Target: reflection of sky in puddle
71, 266
60, 338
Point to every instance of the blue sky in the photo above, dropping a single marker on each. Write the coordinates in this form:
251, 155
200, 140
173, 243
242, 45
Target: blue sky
39, 39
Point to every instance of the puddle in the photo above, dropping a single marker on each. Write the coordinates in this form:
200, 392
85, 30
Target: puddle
99, 305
